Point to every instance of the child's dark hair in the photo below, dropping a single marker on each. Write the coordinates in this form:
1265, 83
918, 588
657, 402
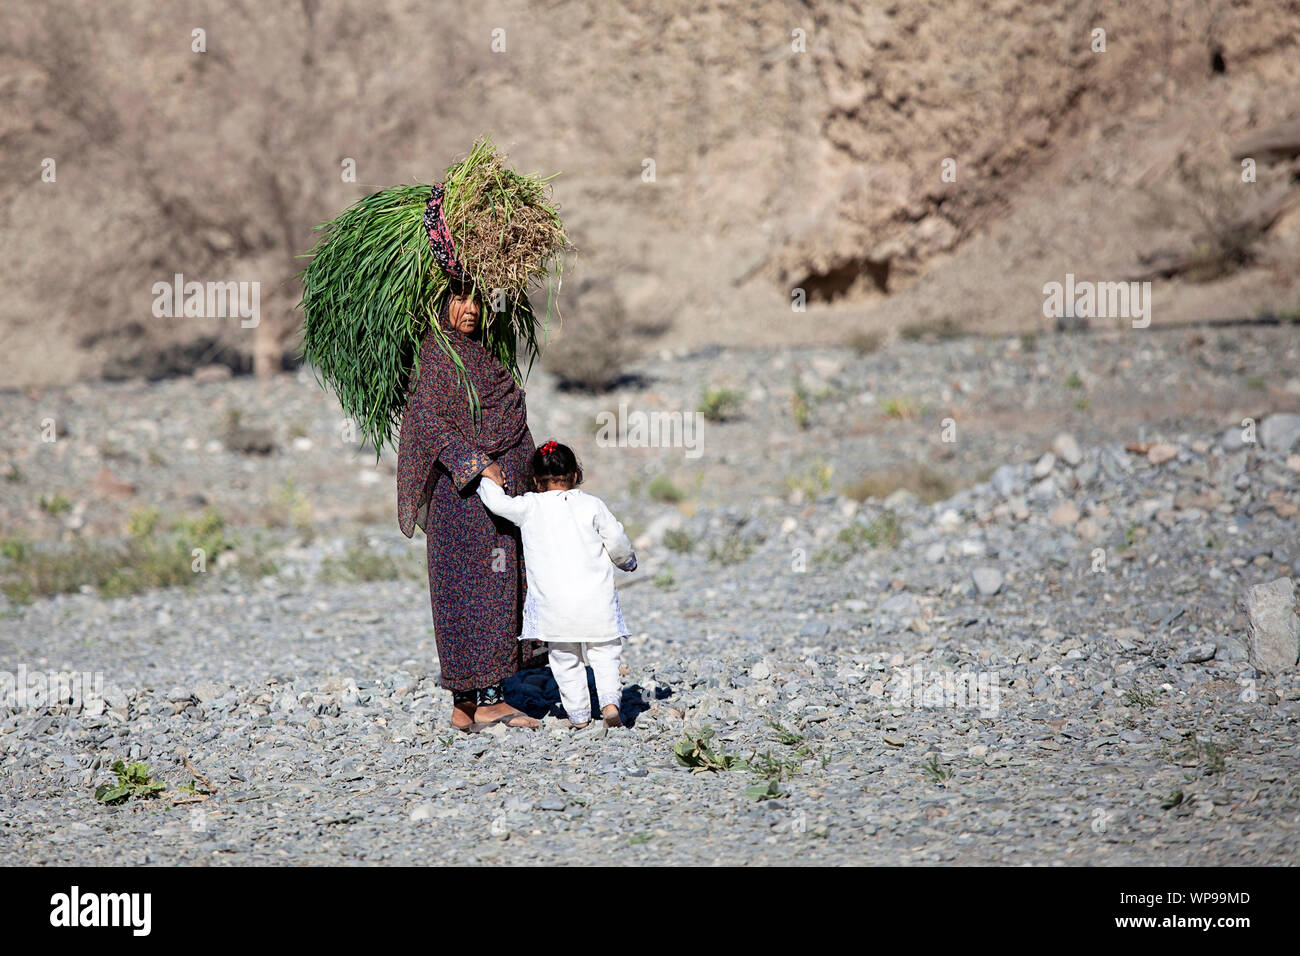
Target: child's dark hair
553, 460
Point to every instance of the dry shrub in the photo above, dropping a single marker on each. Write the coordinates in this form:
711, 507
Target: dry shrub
864, 343
1225, 239
922, 480
593, 348
945, 328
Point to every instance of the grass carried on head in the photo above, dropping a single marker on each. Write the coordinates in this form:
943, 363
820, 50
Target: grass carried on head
373, 288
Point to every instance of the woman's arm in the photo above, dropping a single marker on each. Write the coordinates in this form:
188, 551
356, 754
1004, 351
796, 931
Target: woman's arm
423, 424
515, 509
616, 541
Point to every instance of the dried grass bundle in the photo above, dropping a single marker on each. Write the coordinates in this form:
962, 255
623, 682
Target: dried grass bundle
373, 288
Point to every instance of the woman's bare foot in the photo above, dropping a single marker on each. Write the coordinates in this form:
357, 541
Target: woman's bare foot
462, 716
493, 711
612, 717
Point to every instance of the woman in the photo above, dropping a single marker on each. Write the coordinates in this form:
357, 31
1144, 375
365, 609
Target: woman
476, 579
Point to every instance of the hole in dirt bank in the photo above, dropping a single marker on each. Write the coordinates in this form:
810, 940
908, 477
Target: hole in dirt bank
1217, 63
845, 279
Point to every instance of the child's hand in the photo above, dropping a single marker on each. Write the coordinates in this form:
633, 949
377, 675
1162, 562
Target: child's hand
493, 473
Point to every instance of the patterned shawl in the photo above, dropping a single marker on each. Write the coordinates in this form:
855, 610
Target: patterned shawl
438, 428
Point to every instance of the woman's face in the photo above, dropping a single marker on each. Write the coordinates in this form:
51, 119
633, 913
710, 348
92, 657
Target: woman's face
463, 314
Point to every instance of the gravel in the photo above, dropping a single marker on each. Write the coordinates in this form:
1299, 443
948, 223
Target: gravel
1009, 682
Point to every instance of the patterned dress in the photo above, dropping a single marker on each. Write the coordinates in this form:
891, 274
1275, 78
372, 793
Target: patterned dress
476, 574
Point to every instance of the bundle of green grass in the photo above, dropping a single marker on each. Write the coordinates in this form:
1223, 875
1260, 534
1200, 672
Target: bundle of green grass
373, 288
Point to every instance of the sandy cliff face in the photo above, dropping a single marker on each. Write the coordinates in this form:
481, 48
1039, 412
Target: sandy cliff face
793, 146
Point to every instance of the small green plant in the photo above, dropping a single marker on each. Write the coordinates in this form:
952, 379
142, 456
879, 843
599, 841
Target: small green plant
12, 474
772, 768
1029, 341
1074, 381
143, 523
134, 780
662, 489
55, 504
939, 773
789, 738
360, 563
664, 579
1130, 535
1211, 753
256, 562
146, 559
1214, 757
207, 531
637, 839
768, 790
720, 404
1139, 699
801, 405
813, 482
697, 752
675, 539
289, 507
883, 531
898, 408
1257, 382
731, 549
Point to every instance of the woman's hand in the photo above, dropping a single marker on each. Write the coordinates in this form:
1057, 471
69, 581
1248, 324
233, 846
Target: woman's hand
493, 473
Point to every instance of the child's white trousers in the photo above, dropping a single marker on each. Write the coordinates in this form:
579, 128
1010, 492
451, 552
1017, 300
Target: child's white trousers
570, 672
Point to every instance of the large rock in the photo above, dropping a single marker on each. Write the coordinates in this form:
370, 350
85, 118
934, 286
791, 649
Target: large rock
1232, 439
1162, 452
901, 605
988, 581
206, 691
1006, 480
1274, 631
1279, 432
1065, 514
1231, 650
1067, 449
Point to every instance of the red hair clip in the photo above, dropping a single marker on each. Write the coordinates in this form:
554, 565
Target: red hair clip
549, 447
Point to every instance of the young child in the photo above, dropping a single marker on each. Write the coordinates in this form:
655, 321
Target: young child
570, 539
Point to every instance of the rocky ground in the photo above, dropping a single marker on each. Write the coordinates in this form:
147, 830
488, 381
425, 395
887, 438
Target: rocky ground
964, 601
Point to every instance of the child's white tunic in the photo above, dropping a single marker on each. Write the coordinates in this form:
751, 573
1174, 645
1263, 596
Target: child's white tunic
570, 539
